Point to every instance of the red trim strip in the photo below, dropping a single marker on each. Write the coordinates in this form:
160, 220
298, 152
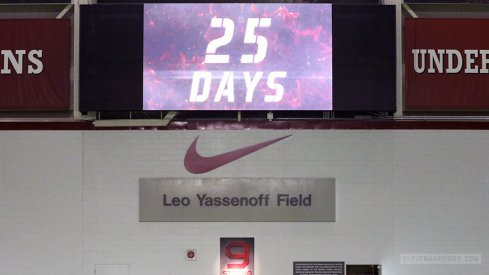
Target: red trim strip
263, 125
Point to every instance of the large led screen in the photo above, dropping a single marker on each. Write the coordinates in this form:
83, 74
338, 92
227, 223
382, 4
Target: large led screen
298, 42
237, 57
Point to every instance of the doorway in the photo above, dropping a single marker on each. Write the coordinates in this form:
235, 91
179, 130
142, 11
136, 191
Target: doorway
363, 270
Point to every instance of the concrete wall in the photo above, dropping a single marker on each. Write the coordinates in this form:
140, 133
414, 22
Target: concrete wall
69, 200
40, 203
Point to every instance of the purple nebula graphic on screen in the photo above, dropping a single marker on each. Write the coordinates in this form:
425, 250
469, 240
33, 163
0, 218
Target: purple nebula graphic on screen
237, 57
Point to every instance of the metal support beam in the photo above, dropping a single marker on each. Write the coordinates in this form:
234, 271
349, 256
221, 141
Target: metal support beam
409, 10
399, 63
270, 116
169, 117
64, 11
130, 123
136, 122
76, 60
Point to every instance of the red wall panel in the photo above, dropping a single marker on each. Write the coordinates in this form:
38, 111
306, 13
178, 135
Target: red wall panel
35, 64
452, 69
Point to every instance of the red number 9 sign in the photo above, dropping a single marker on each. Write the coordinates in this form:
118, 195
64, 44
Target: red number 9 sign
237, 256
243, 255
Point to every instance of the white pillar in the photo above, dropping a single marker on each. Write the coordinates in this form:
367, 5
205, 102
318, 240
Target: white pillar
399, 64
76, 55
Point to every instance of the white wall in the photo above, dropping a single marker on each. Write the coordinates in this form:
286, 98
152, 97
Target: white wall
40, 203
398, 192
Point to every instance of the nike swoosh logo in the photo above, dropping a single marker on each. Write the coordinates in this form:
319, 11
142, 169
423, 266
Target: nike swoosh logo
197, 164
